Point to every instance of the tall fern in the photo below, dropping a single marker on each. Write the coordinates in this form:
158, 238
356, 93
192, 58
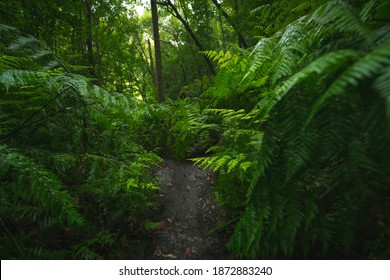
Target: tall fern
76, 183
315, 142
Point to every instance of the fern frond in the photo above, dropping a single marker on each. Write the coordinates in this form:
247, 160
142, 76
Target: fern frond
46, 190
12, 62
28, 44
368, 10
328, 62
342, 17
366, 67
306, 6
6, 29
382, 85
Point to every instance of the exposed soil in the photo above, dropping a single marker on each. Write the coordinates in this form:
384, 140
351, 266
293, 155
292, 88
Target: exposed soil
189, 216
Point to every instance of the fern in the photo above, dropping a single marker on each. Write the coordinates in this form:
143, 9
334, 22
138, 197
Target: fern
301, 168
343, 18
69, 160
45, 189
368, 66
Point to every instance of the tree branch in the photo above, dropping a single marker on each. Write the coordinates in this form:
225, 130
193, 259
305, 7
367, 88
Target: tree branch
190, 32
241, 39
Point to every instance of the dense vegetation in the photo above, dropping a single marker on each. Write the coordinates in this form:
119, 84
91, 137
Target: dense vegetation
286, 101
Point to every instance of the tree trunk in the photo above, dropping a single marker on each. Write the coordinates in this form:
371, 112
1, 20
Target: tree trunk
91, 61
241, 40
97, 54
153, 73
157, 51
190, 32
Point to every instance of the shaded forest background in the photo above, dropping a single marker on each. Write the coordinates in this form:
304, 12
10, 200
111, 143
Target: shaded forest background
288, 102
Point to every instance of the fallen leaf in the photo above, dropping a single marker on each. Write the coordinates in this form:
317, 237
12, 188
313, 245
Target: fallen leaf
160, 225
188, 251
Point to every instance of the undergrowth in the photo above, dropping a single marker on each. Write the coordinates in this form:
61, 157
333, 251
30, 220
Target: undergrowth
76, 183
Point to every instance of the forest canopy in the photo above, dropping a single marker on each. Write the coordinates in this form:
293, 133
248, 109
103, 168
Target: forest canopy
286, 102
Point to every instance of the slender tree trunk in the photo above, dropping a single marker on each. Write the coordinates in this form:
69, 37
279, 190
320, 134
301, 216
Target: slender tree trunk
143, 89
157, 51
98, 55
81, 32
153, 73
241, 40
141, 50
91, 61
147, 67
190, 32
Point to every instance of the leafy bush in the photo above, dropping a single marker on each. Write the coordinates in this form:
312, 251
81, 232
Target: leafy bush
177, 128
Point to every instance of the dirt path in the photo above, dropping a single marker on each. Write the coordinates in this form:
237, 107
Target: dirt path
187, 215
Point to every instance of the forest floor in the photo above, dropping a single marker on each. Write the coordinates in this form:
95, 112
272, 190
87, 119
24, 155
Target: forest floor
188, 215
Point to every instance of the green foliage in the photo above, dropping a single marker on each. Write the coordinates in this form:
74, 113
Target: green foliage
231, 90
303, 159
177, 128
272, 17
296, 126
75, 183
32, 181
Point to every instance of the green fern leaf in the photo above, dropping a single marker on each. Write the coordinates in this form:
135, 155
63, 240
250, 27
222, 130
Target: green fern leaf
366, 67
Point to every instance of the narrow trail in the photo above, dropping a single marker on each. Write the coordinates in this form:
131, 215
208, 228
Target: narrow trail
187, 215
